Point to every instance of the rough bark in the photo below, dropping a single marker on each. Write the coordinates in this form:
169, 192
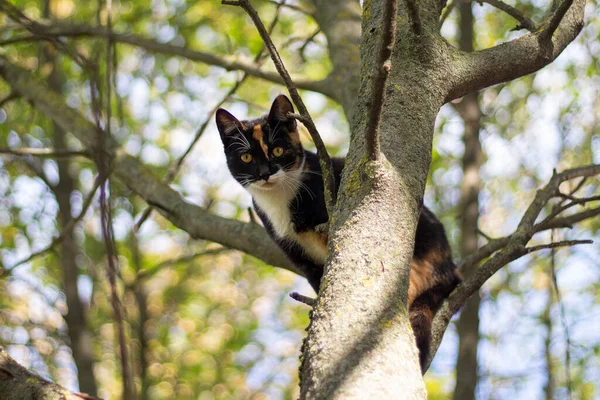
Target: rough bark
468, 323
16, 383
360, 344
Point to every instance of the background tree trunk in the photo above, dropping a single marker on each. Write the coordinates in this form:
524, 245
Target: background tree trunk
79, 334
467, 325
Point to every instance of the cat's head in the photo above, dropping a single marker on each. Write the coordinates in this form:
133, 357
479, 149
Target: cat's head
265, 153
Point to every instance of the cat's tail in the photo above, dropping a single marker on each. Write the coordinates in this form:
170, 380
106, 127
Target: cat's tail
424, 308
421, 317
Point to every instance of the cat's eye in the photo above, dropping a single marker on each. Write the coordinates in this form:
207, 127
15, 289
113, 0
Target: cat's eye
246, 157
278, 151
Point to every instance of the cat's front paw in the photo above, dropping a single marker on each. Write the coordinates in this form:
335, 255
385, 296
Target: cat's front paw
322, 229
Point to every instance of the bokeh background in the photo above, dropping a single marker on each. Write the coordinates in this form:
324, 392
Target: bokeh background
205, 322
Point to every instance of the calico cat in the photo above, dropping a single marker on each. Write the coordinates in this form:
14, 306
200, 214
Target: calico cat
266, 157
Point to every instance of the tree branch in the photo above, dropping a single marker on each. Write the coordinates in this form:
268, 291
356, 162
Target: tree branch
46, 153
309, 301
524, 22
146, 273
17, 383
447, 11
325, 160
290, 6
247, 237
508, 249
62, 29
555, 19
413, 13
519, 57
383, 67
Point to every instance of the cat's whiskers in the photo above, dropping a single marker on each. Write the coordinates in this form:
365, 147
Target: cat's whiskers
242, 143
273, 132
241, 134
302, 185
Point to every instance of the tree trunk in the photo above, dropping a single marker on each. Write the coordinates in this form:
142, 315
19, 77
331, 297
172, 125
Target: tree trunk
360, 343
141, 298
80, 336
468, 323
547, 322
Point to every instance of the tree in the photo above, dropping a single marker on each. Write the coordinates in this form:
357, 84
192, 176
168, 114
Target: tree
359, 342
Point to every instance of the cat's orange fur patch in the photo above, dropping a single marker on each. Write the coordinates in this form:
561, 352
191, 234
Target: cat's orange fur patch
295, 138
314, 244
421, 278
257, 134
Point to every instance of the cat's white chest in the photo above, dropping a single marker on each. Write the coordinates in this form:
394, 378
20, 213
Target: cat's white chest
275, 203
277, 210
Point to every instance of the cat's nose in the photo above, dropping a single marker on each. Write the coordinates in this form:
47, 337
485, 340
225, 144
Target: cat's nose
265, 177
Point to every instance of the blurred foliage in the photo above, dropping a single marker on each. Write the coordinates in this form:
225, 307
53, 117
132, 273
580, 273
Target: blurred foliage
220, 326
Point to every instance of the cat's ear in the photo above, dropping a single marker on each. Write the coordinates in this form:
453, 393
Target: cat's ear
227, 124
280, 109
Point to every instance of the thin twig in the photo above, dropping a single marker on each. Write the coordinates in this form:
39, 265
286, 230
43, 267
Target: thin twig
290, 6
21, 39
49, 153
553, 245
85, 396
579, 186
447, 11
563, 319
480, 232
567, 222
146, 273
383, 67
252, 216
413, 13
309, 301
560, 208
325, 160
67, 229
555, 19
524, 22
175, 168
307, 41
104, 167
578, 200
38, 30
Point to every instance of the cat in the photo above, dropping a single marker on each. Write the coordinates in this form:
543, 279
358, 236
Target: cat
266, 157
